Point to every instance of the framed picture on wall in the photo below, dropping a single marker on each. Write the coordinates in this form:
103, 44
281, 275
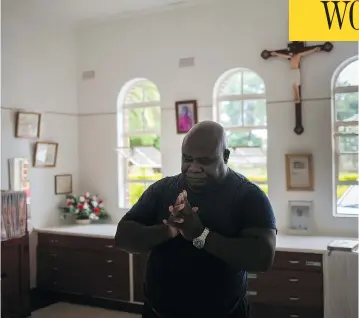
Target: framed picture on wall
27, 125
63, 184
186, 115
45, 154
299, 172
300, 217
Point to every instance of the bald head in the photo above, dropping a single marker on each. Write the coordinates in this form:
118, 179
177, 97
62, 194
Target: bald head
207, 133
204, 153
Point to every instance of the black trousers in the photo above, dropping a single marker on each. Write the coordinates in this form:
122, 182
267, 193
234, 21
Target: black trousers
242, 310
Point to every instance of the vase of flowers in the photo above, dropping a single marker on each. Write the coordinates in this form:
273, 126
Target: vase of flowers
85, 208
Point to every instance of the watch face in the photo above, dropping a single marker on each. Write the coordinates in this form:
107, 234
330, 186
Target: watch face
198, 243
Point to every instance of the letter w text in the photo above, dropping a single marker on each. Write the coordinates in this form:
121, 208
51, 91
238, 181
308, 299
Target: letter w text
339, 13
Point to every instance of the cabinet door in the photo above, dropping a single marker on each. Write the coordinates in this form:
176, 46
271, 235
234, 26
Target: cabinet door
10, 280
139, 266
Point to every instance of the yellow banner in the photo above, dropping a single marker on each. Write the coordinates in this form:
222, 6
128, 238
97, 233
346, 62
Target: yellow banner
315, 20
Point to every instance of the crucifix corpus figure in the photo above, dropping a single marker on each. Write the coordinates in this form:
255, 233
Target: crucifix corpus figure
294, 53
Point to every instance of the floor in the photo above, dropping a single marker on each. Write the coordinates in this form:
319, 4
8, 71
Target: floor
60, 310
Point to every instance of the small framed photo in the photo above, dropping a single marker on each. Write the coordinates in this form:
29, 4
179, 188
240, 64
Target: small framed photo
300, 217
299, 172
186, 115
45, 154
27, 125
63, 184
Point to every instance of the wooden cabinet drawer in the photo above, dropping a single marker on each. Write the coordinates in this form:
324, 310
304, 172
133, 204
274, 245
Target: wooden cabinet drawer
286, 297
76, 242
298, 261
286, 279
265, 311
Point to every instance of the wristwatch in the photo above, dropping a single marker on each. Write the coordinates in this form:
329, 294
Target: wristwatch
199, 241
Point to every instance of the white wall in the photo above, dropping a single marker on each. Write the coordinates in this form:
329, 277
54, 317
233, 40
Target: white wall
39, 74
220, 36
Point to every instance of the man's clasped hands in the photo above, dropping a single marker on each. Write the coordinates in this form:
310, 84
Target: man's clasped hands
184, 219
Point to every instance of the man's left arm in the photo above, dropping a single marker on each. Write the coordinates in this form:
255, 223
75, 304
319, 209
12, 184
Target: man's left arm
254, 249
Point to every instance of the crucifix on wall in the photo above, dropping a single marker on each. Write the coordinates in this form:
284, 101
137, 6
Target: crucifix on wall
294, 53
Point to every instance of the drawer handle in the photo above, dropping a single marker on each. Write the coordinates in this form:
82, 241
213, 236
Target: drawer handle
252, 276
294, 316
109, 246
294, 262
109, 261
315, 264
109, 276
54, 241
55, 269
252, 293
294, 298
294, 280
53, 254
109, 291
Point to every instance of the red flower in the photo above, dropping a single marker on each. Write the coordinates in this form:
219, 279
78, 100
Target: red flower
80, 206
100, 201
69, 203
96, 210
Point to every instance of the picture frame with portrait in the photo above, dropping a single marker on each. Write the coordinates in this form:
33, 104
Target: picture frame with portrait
27, 125
45, 155
299, 172
186, 115
300, 217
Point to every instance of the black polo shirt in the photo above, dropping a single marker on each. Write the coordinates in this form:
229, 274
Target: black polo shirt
182, 279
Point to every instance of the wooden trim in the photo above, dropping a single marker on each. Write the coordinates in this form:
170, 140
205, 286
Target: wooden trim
290, 187
18, 114
35, 153
195, 120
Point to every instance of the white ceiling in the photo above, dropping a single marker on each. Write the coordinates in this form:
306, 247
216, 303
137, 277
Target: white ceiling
78, 11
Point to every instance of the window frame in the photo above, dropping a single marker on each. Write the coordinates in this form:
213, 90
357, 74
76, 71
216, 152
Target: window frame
123, 139
335, 134
219, 98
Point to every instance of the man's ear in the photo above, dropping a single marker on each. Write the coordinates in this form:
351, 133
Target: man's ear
226, 155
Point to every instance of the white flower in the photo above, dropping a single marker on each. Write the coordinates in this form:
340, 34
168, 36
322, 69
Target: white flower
86, 206
87, 194
93, 216
100, 205
82, 199
77, 211
94, 203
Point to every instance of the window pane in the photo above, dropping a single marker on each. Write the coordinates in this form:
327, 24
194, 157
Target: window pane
252, 138
150, 140
346, 106
134, 192
141, 119
349, 75
232, 85
230, 113
254, 112
348, 144
252, 83
348, 167
348, 130
136, 172
347, 199
143, 92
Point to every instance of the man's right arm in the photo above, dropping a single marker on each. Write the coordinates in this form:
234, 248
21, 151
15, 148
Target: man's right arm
138, 232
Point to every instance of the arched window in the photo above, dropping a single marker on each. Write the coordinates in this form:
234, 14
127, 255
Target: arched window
345, 86
240, 106
138, 139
